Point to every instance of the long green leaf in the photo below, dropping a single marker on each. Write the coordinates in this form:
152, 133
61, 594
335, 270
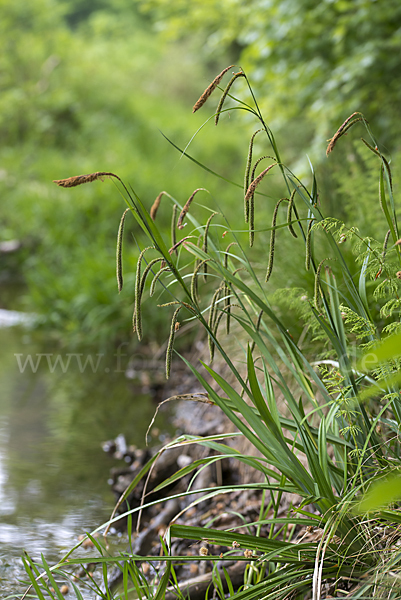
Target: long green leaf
277, 452
250, 542
183, 153
160, 593
383, 203
51, 578
27, 565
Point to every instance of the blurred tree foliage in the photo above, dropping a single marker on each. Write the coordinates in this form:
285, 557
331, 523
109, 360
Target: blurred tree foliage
322, 59
86, 86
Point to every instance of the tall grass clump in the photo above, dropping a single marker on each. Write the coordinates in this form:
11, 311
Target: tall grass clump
321, 419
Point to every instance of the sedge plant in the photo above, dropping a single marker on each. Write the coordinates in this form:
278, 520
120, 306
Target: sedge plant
320, 429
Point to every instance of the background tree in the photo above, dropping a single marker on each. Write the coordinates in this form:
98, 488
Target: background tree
320, 59
87, 86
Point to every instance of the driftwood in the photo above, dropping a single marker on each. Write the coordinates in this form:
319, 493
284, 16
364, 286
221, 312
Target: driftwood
143, 543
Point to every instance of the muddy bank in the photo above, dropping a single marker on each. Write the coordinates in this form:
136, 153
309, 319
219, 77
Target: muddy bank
224, 510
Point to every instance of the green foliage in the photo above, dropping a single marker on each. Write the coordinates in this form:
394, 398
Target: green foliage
311, 432
76, 101
319, 59
358, 451
382, 493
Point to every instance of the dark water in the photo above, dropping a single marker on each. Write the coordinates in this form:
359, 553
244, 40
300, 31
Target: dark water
53, 471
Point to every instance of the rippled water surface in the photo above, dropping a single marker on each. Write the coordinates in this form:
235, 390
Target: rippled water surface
53, 472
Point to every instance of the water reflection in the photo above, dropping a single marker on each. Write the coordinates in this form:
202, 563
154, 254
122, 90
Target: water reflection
53, 472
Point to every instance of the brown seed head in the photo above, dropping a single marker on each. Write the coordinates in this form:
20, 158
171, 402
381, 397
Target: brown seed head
210, 88
186, 207
156, 205
343, 129
254, 184
178, 244
80, 179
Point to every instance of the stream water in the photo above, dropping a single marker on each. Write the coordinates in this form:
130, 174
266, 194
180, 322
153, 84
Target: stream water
56, 409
